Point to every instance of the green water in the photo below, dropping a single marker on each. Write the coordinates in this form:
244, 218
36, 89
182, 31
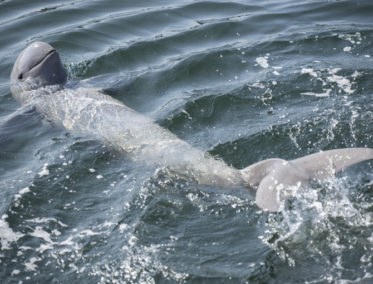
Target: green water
242, 80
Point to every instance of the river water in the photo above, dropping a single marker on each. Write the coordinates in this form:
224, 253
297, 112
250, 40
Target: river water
242, 80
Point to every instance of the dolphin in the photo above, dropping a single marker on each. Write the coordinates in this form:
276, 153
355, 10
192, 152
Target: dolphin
39, 79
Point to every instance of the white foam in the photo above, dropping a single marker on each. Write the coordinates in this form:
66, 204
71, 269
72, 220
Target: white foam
18, 196
44, 247
353, 39
334, 70
276, 73
262, 61
122, 227
356, 74
56, 232
257, 85
15, 272
88, 232
342, 83
31, 266
320, 95
7, 235
44, 171
309, 71
24, 248
67, 242
46, 220
40, 233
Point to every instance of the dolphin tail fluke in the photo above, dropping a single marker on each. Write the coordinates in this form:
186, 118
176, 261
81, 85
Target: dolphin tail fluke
261, 177
254, 174
325, 164
276, 180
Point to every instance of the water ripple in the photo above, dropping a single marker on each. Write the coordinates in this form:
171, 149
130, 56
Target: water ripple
242, 80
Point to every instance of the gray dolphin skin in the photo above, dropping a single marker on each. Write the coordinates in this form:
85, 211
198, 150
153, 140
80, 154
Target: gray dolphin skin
38, 78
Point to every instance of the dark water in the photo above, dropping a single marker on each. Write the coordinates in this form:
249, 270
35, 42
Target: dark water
243, 80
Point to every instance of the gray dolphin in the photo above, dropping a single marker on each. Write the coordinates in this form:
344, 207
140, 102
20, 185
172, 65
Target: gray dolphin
38, 78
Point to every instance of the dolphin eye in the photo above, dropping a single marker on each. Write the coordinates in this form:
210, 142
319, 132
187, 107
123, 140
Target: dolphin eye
20, 76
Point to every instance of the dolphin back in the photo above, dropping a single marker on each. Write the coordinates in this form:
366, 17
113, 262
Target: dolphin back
88, 111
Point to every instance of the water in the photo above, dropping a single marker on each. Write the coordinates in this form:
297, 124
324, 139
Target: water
243, 80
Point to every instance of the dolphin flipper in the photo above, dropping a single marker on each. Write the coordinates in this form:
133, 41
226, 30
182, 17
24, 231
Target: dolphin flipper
277, 180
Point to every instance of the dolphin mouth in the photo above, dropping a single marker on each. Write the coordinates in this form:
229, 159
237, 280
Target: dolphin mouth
46, 57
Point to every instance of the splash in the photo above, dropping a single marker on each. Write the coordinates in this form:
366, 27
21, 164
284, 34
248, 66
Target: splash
7, 235
262, 61
323, 225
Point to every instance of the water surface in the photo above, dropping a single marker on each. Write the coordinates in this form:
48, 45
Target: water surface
242, 80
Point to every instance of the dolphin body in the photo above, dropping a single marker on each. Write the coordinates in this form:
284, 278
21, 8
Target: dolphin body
38, 78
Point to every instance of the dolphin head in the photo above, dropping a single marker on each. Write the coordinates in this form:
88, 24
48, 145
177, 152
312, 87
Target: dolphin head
37, 66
